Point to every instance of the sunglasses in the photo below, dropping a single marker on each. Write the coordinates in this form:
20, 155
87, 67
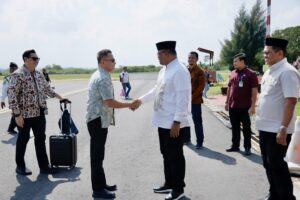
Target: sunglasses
35, 58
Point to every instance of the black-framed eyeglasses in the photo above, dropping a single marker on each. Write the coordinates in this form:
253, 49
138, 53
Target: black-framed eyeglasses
35, 58
111, 60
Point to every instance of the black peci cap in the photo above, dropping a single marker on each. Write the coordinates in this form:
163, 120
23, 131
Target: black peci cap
240, 55
277, 42
170, 45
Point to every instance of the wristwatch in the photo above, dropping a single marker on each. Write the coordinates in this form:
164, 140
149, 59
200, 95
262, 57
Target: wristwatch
282, 129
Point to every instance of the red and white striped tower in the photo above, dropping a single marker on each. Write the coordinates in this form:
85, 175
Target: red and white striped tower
268, 33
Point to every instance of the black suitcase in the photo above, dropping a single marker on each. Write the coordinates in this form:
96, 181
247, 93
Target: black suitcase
63, 149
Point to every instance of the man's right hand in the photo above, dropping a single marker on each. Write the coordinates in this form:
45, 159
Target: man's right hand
20, 121
135, 104
226, 107
2, 104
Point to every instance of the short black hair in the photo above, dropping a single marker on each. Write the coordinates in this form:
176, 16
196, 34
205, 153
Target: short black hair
276, 49
13, 65
27, 53
103, 53
241, 56
195, 54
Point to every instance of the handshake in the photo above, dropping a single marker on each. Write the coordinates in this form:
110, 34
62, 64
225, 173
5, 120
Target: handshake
135, 104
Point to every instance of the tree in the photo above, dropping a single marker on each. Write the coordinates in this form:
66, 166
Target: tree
247, 37
292, 34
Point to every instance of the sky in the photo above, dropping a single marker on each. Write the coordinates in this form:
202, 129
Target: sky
71, 32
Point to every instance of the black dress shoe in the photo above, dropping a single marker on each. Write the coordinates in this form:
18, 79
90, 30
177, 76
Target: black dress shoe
162, 190
111, 188
174, 195
23, 171
48, 170
247, 152
233, 149
104, 194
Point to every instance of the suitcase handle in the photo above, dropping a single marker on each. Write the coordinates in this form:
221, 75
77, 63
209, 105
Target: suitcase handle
65, 102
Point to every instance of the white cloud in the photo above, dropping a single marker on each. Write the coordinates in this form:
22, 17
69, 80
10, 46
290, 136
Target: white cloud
70, 32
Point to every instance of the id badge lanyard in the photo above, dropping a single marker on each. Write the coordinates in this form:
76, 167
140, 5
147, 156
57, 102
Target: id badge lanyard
241, 82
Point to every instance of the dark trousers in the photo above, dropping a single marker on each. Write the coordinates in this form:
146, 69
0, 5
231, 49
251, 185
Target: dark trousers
97, 151
12, 125
238, 116
174, 162
38, 126
197, 118
281, 186
126, 88
186, 132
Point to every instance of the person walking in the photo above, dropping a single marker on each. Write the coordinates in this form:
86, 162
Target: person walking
124, 78
12, 125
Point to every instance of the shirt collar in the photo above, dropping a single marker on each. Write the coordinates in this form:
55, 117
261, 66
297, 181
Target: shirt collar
242, 70
172, 62
104, 71
278, 64
192, 69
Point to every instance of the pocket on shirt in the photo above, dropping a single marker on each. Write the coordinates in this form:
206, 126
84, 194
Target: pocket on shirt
269, 87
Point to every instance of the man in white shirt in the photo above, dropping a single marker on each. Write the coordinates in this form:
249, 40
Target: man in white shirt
124, 78
12, 125
275, 119
172, 105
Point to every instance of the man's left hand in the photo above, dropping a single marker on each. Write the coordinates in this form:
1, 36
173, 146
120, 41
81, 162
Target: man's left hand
175, 130
281, 138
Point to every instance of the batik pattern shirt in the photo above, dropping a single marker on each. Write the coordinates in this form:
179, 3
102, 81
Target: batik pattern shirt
100, 89
28, 92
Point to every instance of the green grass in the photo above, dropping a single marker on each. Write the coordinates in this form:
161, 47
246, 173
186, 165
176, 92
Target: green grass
298, 109
216, 89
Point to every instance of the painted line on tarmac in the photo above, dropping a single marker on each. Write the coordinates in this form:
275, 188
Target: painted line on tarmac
6, 110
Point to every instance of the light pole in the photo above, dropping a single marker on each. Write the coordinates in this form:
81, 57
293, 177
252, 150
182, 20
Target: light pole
268, 32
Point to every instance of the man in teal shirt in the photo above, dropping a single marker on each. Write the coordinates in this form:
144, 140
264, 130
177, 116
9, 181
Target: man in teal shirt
100, 114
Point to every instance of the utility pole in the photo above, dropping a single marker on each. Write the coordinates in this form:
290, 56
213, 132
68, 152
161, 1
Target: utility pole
268, 32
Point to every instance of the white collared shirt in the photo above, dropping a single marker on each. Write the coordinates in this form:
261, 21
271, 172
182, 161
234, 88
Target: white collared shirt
280, 81
125, 77
171, 95
5, 88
